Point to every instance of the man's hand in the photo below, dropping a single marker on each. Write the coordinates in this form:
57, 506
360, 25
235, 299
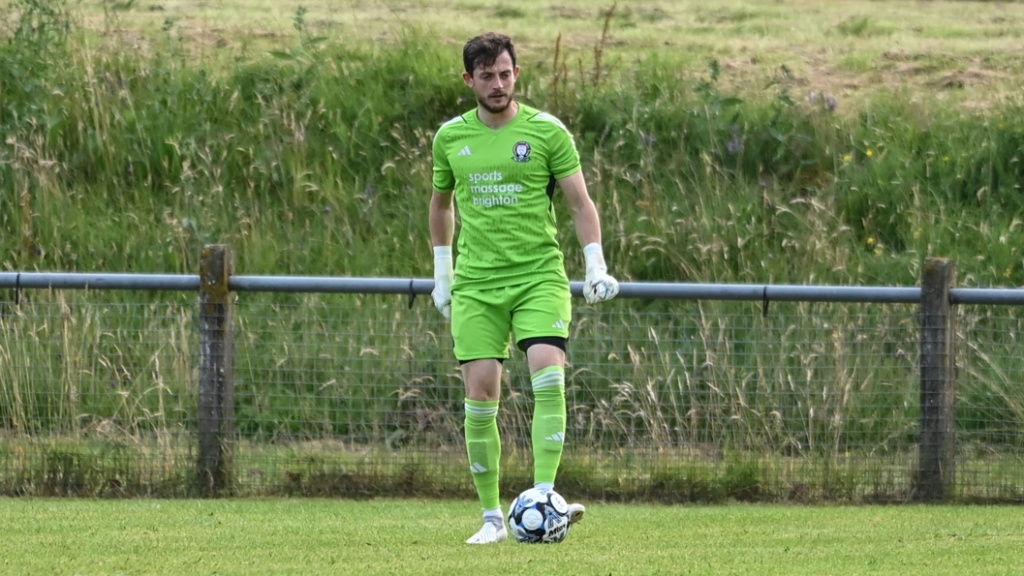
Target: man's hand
598, 285
444, 275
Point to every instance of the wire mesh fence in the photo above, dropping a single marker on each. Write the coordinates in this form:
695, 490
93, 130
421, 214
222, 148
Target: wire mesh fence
359, 395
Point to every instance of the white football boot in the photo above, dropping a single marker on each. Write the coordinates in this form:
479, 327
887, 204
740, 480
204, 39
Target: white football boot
576, 512
489, 534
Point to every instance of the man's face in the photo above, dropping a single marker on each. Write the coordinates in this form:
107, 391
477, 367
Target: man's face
494, 85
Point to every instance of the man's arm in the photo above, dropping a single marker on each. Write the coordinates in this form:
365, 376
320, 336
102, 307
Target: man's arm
598, 286
442, 218
584, 212
442, 229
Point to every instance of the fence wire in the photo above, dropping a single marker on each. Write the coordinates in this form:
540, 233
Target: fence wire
360, 395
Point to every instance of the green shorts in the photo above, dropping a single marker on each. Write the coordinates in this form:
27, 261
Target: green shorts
483, 320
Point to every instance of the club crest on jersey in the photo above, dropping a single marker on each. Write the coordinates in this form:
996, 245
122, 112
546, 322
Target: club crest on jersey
521, 152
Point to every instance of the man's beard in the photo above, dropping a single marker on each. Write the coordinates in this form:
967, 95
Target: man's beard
483, 102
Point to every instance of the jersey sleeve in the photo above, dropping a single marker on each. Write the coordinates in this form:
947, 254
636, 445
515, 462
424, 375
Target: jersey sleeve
443, 178
564, 158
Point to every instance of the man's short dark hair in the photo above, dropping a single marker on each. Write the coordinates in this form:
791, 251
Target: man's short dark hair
483, 50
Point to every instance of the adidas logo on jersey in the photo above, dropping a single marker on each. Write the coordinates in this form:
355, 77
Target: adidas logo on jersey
560, 325
465, 152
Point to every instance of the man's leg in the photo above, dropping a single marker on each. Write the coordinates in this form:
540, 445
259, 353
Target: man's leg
549, 418
548, 424
480, 328
483, 444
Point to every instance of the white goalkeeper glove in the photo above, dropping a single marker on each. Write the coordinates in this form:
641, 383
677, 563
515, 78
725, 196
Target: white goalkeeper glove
444, 275
598, 286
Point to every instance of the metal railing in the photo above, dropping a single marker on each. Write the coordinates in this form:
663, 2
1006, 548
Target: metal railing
704, 420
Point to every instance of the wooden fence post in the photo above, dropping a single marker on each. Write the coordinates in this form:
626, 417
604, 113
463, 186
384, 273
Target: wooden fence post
216, 372
935, 480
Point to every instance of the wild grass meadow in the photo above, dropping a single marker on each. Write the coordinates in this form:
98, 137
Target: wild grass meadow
798, 142
725, 143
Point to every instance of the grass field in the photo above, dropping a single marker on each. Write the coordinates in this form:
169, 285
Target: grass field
417, 537
966, 49
170, 124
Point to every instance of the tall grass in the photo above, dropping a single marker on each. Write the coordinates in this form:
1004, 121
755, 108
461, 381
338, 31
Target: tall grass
315, 159
357, 394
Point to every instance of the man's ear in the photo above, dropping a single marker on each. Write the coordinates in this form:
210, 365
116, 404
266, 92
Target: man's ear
468, 79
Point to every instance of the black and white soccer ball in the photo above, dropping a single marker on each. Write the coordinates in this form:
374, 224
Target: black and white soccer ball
539, 517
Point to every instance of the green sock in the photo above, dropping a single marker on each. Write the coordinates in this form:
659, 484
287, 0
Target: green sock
548, 422
484, 448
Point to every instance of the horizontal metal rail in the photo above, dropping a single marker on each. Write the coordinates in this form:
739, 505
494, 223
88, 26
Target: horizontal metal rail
99, 281
422, 286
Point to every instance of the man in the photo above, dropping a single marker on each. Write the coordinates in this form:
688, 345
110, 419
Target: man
499, 163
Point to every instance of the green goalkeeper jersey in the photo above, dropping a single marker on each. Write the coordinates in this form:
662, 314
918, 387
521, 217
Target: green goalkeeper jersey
504, 184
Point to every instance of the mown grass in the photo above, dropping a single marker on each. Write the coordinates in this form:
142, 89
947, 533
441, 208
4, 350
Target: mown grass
725, 143
389, 536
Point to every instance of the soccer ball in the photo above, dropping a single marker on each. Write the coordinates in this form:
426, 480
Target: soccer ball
539, 517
